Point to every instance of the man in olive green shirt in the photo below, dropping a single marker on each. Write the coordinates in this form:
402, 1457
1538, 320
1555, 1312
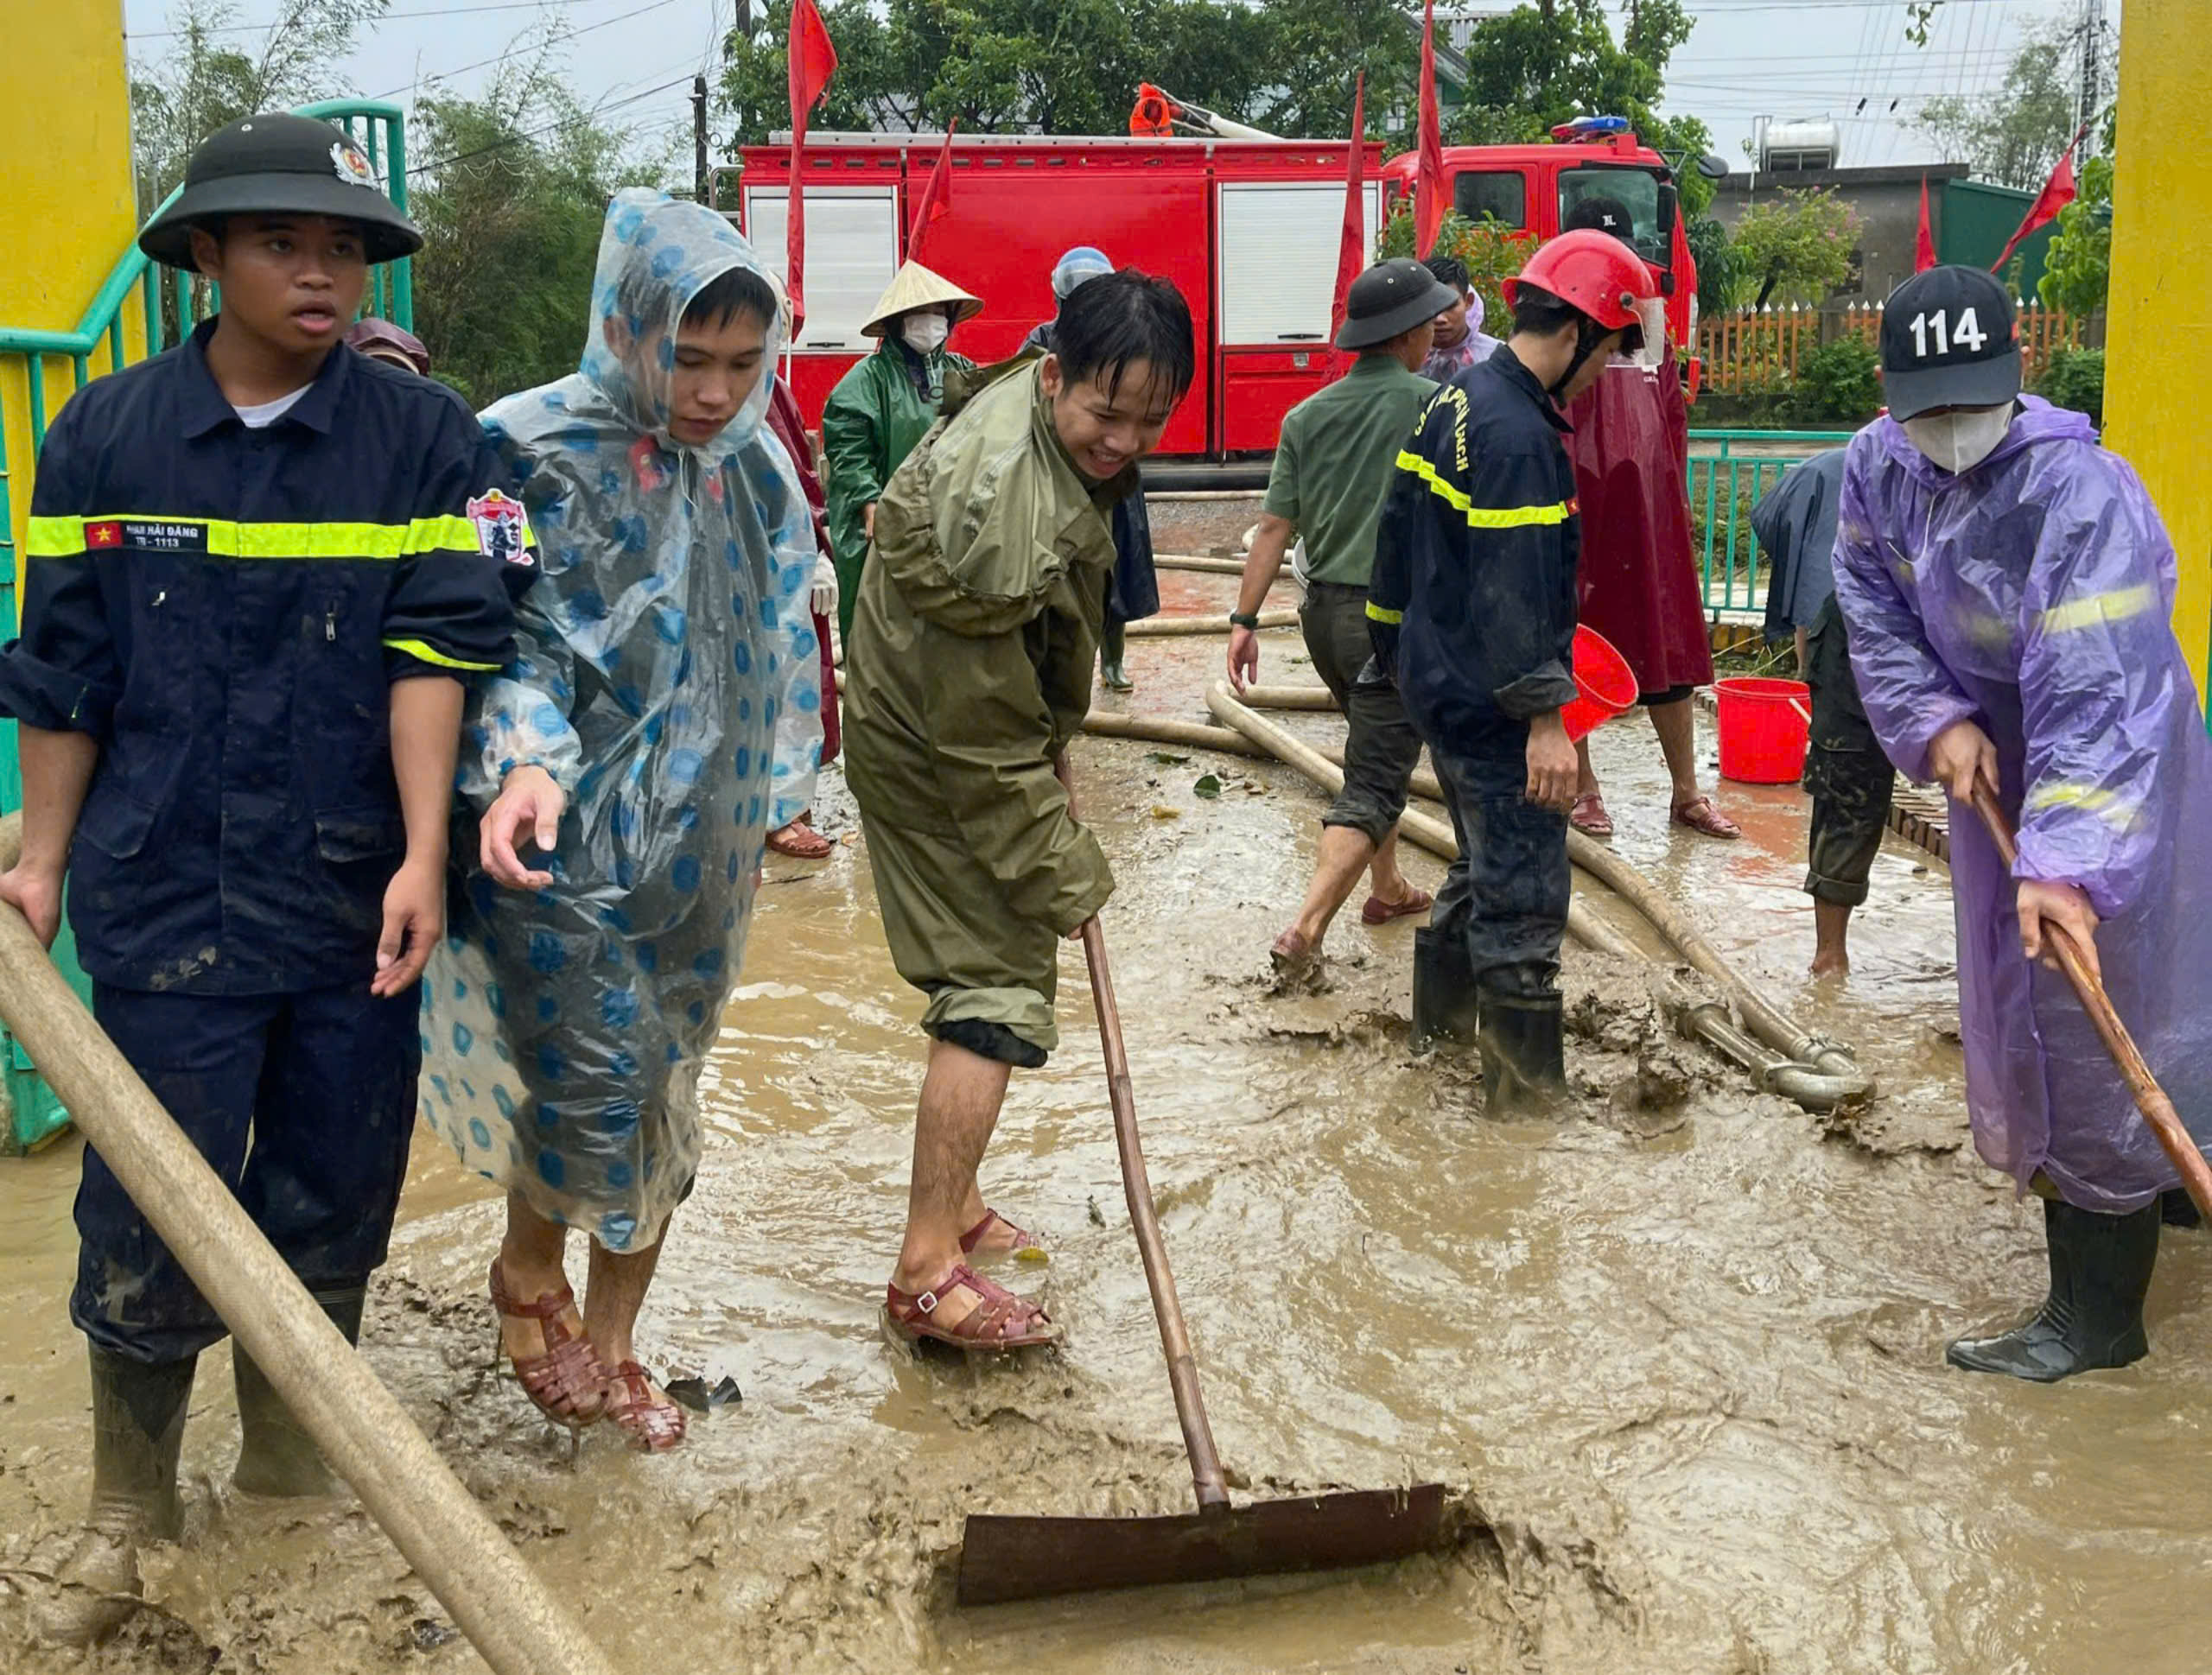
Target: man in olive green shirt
1334, 465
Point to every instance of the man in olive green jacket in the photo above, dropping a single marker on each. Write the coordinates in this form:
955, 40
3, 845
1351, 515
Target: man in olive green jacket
881, 408
969, 672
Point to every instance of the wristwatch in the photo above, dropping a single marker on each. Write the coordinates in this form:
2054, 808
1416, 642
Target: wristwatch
1245, 619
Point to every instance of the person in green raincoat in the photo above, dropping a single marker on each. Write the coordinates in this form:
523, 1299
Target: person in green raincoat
880, 409
969, 671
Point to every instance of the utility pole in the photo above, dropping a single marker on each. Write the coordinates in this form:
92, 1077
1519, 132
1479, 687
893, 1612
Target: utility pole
699, 132
2093, 42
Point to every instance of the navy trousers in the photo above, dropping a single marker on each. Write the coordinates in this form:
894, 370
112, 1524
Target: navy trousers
303, 1105
1504, 900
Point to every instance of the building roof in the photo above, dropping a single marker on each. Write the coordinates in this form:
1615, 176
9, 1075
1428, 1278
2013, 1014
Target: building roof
1797, 180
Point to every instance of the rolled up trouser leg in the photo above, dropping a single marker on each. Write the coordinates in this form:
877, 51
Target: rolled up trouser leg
1846, 775
1382, 747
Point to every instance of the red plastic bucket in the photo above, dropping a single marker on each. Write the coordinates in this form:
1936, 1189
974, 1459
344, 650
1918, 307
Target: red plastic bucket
1765, 726
1605, 684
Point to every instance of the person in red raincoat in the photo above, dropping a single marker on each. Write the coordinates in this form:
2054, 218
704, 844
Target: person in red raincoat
799, 839
1639, 579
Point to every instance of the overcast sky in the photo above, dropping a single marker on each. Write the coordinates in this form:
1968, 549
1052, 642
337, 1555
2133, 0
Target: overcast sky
1787, 58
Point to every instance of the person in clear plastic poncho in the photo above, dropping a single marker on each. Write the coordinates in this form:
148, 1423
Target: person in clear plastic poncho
661, 717
2008, 590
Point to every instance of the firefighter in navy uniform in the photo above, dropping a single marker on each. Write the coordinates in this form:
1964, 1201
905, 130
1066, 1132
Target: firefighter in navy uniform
261, 567
1473, 608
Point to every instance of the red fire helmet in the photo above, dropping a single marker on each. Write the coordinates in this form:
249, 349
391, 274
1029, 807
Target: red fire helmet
1593, 271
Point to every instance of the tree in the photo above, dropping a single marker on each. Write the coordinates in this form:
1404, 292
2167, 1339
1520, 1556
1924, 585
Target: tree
201, 83
2014, 137
1072, 67
1797, 250
1716, 264
2078, 265
510, 200
1541, 65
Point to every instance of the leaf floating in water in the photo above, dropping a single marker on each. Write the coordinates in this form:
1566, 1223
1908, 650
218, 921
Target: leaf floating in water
1167, 759
1096, 1219
1209, 786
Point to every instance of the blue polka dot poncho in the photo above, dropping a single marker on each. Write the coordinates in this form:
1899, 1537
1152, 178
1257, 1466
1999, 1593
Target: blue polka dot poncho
667, 677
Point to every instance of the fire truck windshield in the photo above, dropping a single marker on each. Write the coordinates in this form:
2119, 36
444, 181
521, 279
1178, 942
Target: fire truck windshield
1637, 190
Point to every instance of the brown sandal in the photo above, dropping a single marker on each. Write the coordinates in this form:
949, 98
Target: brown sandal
567, 1380
999, 1321
653, 1421
801, 841
1025, 1247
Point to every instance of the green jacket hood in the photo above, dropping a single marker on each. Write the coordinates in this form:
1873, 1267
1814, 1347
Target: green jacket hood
989, 513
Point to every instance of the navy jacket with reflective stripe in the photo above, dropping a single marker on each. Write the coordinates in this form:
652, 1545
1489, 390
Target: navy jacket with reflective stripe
1474, 595
224, 610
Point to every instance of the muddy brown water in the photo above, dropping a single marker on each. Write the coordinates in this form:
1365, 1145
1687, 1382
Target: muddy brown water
1678, 1351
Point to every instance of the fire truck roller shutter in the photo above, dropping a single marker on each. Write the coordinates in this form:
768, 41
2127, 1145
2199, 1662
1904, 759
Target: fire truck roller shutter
852, 251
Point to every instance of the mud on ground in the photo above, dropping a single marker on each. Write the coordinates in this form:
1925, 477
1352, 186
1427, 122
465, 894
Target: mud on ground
1677, 1352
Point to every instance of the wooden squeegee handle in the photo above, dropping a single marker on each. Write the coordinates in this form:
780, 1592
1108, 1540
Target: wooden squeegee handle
1136, 1184
2149, 1098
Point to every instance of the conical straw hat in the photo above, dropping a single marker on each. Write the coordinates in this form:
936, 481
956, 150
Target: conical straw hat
915, 287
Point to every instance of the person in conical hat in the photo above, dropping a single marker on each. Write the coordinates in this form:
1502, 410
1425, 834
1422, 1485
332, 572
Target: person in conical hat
881, 408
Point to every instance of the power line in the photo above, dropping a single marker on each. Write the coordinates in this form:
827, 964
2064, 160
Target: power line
387, 17
537, 133
517, 52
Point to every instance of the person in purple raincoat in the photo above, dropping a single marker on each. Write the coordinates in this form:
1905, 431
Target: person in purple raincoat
2008, 591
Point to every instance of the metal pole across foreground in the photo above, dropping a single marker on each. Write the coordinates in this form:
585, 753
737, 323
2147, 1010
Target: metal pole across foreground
496, 1599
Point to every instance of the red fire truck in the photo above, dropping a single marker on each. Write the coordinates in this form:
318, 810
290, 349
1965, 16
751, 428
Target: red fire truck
1248, 229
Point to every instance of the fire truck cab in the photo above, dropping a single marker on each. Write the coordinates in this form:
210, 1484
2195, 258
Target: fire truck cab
1248, 229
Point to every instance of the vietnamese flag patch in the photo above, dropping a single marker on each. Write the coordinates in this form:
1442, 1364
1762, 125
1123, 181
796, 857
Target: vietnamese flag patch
108, 534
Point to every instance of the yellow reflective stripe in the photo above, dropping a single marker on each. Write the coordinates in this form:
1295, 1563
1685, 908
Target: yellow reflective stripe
2098, 609
64, 537
1484, 518
416, 649
1376, 614
55, 537
2108, 806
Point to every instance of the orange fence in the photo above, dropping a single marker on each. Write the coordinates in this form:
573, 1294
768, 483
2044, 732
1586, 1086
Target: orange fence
1757, 351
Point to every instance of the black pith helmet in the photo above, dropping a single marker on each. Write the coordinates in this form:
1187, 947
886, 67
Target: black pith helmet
279, 164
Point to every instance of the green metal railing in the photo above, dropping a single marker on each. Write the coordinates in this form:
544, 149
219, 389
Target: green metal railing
171, 305
1729, 471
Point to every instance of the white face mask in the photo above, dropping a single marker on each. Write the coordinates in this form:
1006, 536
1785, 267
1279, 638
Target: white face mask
924, 333
1961, 439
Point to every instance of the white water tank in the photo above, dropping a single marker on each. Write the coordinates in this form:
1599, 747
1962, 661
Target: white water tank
1794, 146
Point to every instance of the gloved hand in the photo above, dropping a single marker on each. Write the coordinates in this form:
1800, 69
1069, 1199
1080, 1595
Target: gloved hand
823, 601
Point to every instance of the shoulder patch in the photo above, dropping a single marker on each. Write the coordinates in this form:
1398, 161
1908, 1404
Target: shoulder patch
499, 527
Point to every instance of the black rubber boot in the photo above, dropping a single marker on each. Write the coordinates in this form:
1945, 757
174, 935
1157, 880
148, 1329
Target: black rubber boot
2100, 1269
1444, 992
276, 1457
1113, 643
138, 1412
1523, 1041
2178, 1210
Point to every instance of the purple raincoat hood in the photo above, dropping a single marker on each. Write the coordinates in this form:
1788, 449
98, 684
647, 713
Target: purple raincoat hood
2038, 422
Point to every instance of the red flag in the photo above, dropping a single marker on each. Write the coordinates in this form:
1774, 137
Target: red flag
937, 197
1924, 241
813, 61
2057, 193
1351, 251
1429, 190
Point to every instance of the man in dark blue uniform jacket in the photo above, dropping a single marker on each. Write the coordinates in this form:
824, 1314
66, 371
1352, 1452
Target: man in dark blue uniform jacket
1472, 605
260, 568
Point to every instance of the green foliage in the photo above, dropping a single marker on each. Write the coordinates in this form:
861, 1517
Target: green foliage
1716, 264
2077, 267
2075, 378
1493, 251
204, 81
510, 211
1072, 67
1540, 65
2013, 137
1841, 380
1796, 251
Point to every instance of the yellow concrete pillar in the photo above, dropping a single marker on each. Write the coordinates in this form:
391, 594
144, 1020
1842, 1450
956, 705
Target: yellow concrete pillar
2156, 388
66, 209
